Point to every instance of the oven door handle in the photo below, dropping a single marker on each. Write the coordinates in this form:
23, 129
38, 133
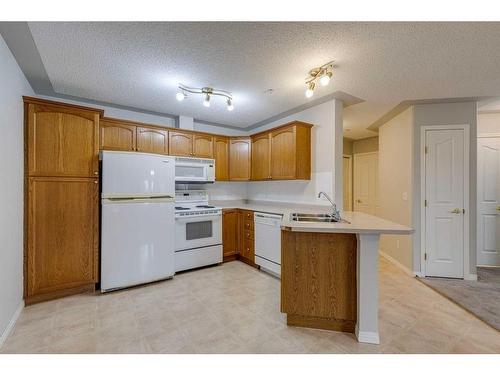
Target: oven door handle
201, 218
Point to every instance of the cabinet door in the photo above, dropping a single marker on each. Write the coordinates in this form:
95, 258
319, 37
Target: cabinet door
283, 154
117, 136
261, 157
180, 143
239, 159
221, 155
62, 141
152, 140
62, 233
230, 232
203, 146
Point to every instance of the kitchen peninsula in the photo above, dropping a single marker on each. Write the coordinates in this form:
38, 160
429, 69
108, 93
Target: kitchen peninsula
329, 273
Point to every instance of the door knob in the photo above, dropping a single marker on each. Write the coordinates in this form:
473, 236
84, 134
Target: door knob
358, 200
456, 211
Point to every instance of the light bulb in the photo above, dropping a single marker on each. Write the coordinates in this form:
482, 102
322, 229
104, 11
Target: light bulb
206, 102
180, 96
325, 80
230, 105
310, 90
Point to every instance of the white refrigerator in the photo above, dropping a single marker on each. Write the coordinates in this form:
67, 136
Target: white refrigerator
137, 218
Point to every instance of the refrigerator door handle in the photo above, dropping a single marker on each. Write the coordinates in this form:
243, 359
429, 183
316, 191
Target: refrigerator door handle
164, 198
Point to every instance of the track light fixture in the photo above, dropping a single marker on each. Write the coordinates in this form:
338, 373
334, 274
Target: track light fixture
206, 101
207, 92
323, 74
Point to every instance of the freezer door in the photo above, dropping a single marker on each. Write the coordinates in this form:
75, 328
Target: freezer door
137, 243
134, 174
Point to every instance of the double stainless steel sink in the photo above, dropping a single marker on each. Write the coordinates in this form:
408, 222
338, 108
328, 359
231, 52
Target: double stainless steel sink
316, 218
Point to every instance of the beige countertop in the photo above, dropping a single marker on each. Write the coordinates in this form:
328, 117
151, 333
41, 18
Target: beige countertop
356, 222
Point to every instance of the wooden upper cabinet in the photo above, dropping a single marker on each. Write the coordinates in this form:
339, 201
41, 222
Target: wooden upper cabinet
180, 143
152, 140
261, 157
221, 156
203, 145
118, 136
62, 234
62, 140
283, 153
291, 152
239, 159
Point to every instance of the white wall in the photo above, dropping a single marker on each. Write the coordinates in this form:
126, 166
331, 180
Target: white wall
445, 114
13, 85
488, 123
395, 183
327, 146
120, 113
202, 127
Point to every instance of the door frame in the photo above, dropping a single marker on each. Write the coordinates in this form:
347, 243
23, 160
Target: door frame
466, 261
483, 135
351, 182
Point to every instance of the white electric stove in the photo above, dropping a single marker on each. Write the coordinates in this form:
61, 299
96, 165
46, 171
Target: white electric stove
198, 230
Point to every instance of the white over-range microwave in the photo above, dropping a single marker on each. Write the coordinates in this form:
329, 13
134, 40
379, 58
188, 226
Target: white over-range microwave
194, 170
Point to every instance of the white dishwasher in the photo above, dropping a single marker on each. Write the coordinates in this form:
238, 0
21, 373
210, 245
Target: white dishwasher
268, 242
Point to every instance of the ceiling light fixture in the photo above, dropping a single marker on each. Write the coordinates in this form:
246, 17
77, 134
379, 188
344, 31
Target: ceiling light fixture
310, 90
230, 105
180, 96
206, 101
207, 92
323, 74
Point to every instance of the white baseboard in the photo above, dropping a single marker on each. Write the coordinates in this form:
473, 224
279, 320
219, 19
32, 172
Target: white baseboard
470, 277
401, 266
367, 337
11, 324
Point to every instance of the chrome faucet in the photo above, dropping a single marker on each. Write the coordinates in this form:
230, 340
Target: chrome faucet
335, 213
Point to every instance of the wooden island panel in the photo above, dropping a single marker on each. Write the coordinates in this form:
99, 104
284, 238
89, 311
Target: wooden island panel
318, 280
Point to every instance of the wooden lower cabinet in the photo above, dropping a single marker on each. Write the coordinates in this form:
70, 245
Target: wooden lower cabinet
246, 237
318, 280
238, 235
230, 234
62, 237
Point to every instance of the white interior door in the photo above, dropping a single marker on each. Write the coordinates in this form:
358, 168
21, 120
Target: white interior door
488, 201
366, 182
347, 165
444, 195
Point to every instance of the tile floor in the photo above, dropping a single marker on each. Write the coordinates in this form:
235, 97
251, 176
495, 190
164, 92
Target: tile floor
234, 308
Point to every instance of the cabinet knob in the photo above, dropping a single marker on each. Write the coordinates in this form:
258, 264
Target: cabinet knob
96, 173
95, 182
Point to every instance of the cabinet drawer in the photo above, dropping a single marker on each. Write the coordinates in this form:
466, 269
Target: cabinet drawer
248, 215
248, 234
248, 249
248, 225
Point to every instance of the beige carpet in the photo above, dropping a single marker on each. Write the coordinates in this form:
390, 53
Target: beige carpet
481, 297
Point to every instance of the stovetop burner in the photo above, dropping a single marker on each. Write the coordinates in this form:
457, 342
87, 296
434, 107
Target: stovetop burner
205, 206
181, 208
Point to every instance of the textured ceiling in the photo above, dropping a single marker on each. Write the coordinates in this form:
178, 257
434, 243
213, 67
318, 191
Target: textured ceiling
140, 64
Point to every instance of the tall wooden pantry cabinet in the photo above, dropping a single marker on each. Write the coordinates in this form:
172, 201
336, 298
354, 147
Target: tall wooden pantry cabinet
61, 199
